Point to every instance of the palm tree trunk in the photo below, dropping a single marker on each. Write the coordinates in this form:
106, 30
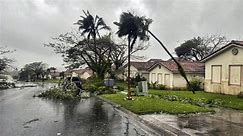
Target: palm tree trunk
129, 97
180, 69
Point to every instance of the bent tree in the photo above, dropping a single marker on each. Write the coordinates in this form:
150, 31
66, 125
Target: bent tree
132, 26
129, 26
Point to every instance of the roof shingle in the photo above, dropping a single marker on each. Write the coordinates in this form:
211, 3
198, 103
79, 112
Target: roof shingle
142, 65
188, 66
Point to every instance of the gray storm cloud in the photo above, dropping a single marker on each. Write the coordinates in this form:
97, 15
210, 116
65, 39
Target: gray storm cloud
26, 24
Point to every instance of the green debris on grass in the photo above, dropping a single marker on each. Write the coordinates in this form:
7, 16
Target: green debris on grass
145, 105
201, 98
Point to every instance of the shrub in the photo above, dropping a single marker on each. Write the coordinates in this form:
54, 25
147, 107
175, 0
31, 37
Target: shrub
154, 85
121, 85
240, 95
120, 88
195, 85
92, 84
134, 80
90, 87
161, 87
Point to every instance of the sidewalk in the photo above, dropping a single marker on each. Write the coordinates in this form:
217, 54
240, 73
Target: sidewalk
224, 123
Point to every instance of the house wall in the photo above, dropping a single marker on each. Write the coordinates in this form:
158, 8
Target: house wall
144, 74
180, 82
133, 72
174, 80
85, 75
165, 74
224, 60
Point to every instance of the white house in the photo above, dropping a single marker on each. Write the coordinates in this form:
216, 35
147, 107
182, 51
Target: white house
140, 68
166, 73
224, 69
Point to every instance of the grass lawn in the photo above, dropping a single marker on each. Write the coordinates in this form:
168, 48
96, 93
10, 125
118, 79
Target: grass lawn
144, 105
227, 101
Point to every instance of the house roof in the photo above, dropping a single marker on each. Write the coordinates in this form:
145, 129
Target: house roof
222, 49
154, 60
143, 65
188, 66
80, 71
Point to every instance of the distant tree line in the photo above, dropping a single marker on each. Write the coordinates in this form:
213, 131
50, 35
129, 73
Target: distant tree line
37, 71
5, 62
197, 48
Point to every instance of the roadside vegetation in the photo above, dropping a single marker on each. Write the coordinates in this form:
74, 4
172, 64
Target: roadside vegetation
90, 86
201, 98
145, 105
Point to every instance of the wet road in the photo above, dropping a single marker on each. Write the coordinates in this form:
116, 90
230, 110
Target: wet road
23, 115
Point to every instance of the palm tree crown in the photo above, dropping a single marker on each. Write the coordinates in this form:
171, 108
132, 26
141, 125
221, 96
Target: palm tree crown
91, 25
133, 26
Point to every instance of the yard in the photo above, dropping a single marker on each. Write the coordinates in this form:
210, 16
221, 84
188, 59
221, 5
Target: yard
145, 105
201, 98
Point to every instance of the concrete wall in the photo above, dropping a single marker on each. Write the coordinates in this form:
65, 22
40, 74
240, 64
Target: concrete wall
225, 60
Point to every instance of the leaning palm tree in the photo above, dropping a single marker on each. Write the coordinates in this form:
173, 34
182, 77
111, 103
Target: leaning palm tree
142, 26
129, 26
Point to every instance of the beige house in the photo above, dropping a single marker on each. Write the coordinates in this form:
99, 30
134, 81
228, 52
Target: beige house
140, 68
166, 73
82, 73
224, 69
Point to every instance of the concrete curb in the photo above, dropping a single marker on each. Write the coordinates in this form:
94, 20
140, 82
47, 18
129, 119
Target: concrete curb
159, 130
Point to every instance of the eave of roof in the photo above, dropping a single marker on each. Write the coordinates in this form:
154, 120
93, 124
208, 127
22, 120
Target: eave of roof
222, 49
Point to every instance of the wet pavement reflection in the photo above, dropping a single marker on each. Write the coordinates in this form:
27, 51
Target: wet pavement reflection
218, 124
24, 115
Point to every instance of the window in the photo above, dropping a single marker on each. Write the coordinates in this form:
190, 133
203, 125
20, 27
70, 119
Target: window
234, 75
153, 77
167, 80
159, 76
216, 74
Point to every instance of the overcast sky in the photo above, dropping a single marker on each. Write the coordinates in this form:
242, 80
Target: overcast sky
26, 24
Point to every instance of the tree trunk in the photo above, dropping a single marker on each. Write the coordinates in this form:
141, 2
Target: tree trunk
180, 69
129, 97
